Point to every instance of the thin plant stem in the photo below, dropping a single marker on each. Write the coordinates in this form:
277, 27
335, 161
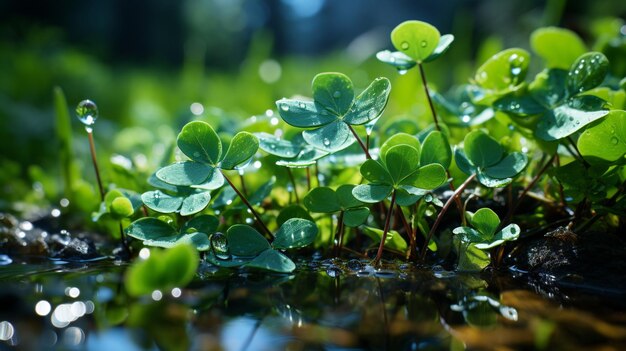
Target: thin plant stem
247, 203
430, 101
244, 190
293, 182
459, 205
317, 175
338, 233
444, 209
92, 148
365, 149
308, 178
123, 238
557, 162
610, 202
530, 185
513, 208
577, 152
379, 255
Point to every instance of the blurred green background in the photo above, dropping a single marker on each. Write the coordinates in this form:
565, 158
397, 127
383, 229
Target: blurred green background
152, 66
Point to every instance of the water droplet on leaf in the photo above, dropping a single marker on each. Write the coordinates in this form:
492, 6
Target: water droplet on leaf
326, 142
284, 107
423, 43
404, 45
337, 94
614, 140
402, 72
219, 246
87, 112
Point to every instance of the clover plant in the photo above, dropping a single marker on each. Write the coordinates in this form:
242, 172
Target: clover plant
186, 200
205, 169
417, 42
335, 110
244, 246
398, 174
484, 156
482, 235
558, 98
156, 232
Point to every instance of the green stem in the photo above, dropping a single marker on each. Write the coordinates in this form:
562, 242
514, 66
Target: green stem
430, 101
247, 203
367, 153
610, 202
243, 185
338, 233
577, 153
308, 178
379, 255
92, 148
123, 238
444, 209
293, 182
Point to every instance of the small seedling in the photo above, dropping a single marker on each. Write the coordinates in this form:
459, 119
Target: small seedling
482, 235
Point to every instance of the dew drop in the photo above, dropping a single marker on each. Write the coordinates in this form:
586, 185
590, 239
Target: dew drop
614, 140
219, 246
423, 43
402, 72
337, 94
404, 45
302, 105
87, 112
284, 107
326, 142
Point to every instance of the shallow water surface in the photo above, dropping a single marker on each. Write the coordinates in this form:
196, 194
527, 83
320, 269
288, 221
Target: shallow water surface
325, 305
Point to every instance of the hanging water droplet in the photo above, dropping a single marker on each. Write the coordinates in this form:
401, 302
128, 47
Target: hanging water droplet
87, 112
465, 119
156, 195
284, 107
423, 43
249, 220
404, 45
428, 197
402, 72
614, 140
326, 142
219, 246
337, 94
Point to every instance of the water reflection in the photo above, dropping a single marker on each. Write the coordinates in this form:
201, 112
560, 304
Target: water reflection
356, 307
